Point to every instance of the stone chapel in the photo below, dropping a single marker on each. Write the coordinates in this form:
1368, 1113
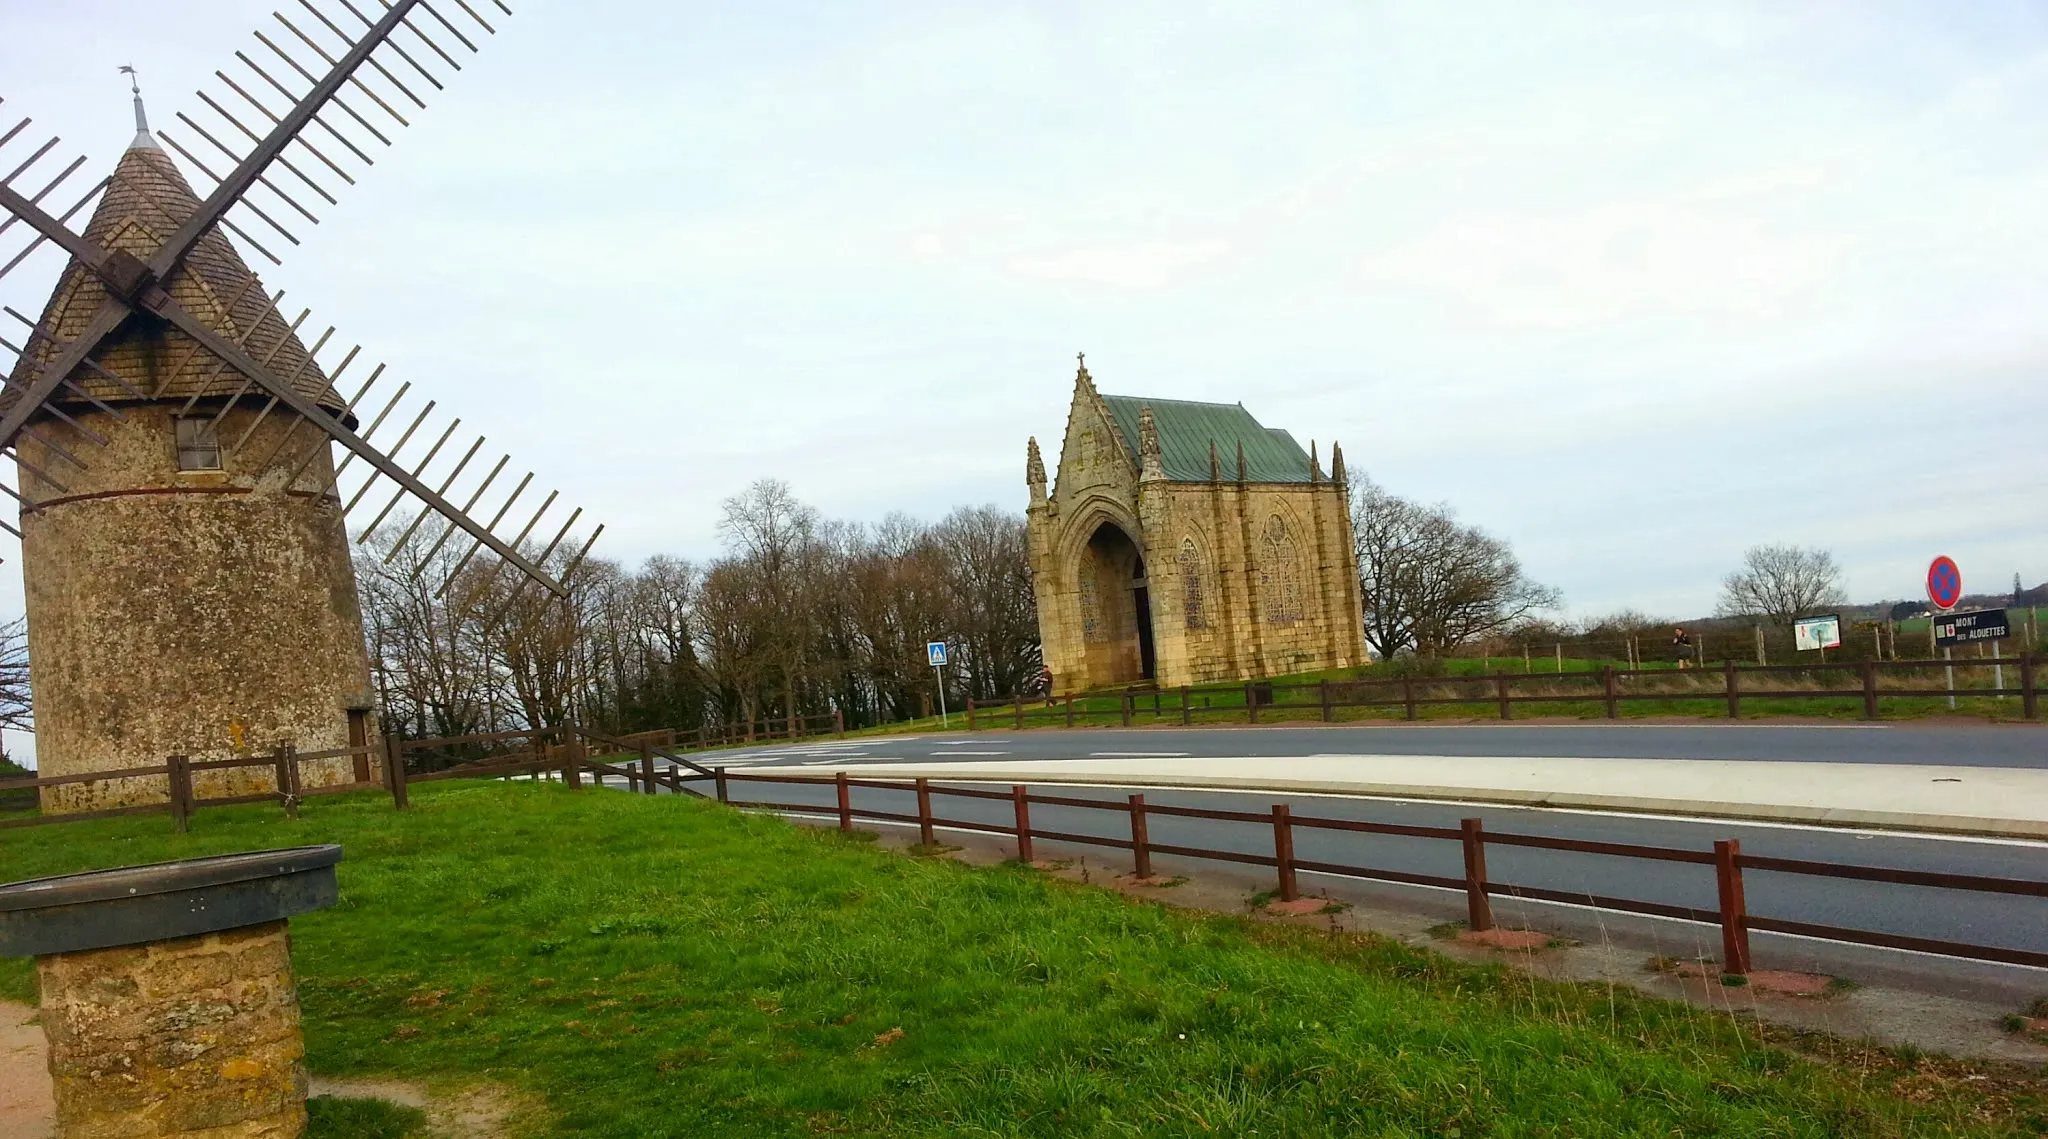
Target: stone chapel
1184, 542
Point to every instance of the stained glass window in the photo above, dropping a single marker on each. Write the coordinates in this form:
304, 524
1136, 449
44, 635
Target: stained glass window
1279, 574
1191, 584
1091, 606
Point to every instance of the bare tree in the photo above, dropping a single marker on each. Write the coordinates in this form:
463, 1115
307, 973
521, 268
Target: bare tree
1432, 584
422, 616
15, 703
544, 644
991, 613
16, 706
1780, 584
801, 616
775, 536
1386, 532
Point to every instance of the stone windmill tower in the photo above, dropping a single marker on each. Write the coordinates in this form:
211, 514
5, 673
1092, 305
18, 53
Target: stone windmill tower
185, 537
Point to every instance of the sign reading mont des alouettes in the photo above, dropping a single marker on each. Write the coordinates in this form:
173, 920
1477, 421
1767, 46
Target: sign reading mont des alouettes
1966, 628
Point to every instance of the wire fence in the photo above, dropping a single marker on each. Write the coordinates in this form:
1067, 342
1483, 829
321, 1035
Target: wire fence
1994, 685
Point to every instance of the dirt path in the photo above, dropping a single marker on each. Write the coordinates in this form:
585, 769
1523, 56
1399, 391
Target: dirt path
26, 1110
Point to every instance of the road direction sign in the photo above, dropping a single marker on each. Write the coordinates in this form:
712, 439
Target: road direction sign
1966, 628
935, 651
1944, 582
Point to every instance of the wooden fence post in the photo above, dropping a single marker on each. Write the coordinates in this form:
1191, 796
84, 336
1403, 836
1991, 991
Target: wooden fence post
1070, 709
924, 814
394, 770
1021, 802
970, 713
1408, 695
647, 767
288, 778
1869, 671
1141, 846
1734, 690
718, 776
1734, 914
572, 775
1187, 712
2028, 704
1325, 694
1020, 707
839, 722
1500, 688
1478, 907
1124, 705
1283, 852
181, 791
1607, 689
845, 803
1251, 703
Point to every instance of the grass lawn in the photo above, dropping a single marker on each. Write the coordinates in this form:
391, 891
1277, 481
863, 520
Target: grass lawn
666, 967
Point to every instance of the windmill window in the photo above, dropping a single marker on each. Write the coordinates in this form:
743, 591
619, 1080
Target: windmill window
198, 445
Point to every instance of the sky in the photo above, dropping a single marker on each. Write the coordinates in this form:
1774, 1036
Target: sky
1632, 286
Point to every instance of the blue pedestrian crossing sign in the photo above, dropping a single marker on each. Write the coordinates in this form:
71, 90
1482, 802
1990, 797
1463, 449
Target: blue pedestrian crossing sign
935, 651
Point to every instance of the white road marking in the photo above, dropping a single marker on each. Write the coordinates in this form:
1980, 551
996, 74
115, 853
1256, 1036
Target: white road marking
1138, 755
937, 753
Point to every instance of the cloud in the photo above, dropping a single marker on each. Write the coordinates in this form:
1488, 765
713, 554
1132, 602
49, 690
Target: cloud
1141, 266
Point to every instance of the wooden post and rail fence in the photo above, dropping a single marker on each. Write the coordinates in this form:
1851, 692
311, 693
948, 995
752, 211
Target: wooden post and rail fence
1725, 860
1870, 685
569, 754
392, 763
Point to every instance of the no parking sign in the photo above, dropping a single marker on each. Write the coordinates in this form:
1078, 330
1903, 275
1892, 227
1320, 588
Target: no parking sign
1944, 583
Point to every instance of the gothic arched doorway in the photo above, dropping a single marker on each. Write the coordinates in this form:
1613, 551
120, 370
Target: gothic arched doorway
1116, 609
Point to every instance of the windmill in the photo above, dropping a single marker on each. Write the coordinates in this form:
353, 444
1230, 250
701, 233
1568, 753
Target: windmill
184, 537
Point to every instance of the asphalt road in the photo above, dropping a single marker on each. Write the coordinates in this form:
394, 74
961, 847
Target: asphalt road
1967, 745
1987, 919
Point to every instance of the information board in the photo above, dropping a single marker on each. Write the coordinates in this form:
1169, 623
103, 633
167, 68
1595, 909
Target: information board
1817, 632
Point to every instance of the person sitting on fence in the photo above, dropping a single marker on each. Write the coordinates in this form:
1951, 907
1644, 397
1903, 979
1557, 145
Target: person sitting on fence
1681, 641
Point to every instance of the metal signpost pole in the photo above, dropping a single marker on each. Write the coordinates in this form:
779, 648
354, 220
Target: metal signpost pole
1945, 590
935, 652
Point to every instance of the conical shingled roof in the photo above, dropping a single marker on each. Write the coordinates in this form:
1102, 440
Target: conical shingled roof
146, 202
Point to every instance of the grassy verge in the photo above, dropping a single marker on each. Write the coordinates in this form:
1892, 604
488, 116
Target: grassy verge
660, 966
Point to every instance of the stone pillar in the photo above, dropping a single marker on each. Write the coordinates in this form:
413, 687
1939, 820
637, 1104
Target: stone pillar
167, 993
191, 1036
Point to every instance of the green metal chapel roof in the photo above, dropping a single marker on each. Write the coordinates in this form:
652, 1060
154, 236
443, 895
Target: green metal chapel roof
1187, 428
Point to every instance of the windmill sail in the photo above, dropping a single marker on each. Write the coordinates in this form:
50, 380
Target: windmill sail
156, 305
